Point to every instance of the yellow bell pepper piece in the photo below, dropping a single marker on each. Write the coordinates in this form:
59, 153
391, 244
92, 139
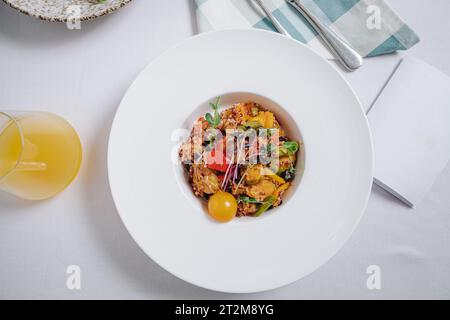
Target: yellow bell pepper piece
273, 176
269, 120
256, 122
281, 189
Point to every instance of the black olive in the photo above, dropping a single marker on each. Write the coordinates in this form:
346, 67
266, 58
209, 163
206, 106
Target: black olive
288, 176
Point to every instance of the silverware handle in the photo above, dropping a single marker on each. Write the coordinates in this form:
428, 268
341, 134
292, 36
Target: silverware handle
349, 58
272, 19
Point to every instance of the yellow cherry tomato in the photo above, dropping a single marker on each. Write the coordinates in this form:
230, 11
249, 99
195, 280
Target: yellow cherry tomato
222, 206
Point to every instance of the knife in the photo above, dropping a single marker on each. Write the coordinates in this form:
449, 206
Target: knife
348, 57
272, 19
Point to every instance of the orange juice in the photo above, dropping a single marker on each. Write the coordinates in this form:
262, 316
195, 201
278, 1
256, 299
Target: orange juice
40, 155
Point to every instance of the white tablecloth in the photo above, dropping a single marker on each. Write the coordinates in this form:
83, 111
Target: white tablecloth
83, 74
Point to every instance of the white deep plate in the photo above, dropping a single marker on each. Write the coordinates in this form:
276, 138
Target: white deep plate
250, 254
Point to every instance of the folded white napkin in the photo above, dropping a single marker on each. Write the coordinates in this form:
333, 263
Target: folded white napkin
410, 124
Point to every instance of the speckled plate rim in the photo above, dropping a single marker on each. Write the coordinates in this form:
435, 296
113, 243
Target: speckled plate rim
55, 19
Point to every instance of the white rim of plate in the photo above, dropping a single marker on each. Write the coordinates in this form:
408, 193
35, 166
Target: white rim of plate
337, 248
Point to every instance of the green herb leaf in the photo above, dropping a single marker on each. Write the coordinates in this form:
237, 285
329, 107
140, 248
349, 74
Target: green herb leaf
247, 200
289, 148
209, 118
214, 120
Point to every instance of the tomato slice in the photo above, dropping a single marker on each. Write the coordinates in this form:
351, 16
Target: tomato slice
223, 164
218, 167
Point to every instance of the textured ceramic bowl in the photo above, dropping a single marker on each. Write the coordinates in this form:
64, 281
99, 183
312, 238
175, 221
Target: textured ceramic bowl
61, 10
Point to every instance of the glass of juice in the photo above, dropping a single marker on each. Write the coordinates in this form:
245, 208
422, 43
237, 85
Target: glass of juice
40, 154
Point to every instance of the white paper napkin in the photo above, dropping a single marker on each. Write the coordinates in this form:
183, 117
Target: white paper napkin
411, 130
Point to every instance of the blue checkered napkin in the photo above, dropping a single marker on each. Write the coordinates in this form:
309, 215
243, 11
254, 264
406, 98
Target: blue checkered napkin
370, 26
